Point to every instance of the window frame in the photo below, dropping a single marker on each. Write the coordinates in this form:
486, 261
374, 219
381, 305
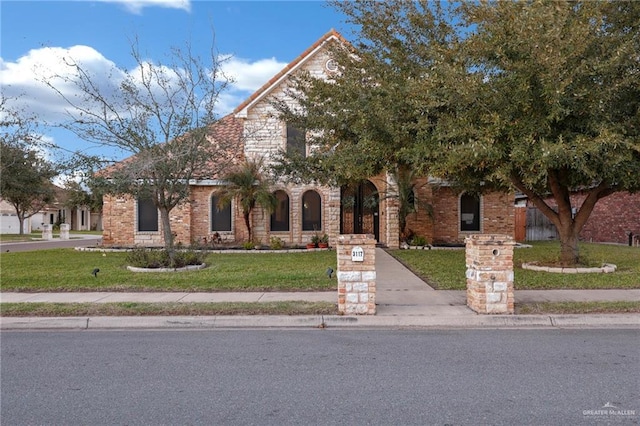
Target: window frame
214, 211
309, 225
277, 226
146, 209
477, 208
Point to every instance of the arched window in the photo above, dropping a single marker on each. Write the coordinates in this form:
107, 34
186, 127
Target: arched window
280, 215
147, 215
469, 213
311, 211
220, 217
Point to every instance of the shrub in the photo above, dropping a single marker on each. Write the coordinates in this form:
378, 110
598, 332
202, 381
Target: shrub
276, 243
159, 258
418, 240
248, 245
188, 257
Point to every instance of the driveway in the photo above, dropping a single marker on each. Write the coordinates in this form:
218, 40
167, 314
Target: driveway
78, 240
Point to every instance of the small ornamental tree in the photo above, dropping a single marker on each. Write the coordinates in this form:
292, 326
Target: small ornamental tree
249, 186
160, 114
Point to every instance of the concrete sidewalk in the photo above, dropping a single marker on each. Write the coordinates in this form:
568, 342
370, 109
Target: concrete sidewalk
403, 301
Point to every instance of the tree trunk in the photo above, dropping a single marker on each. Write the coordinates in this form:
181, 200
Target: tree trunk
167, 234
569, 252
247, 222
21, 222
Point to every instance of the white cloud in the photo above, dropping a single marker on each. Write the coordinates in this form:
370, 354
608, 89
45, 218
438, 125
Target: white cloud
246, 77
136, 6
250, 76
23, 78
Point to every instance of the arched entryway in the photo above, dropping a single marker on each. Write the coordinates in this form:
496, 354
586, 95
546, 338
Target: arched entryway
360, 209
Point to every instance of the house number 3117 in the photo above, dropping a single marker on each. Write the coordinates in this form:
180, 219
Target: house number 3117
357, 254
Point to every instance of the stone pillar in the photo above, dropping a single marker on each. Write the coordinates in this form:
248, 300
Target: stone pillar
356, 274
47, 232
489, 260
64, 231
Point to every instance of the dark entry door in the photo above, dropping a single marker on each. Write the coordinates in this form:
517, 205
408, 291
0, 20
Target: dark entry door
359, 209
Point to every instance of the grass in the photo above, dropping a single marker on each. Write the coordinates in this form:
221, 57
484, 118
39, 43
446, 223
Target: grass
165, 309
62, 270
568, 308
445, 269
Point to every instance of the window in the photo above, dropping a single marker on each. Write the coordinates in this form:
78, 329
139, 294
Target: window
147, 215
296, 140
280, 216
311, 211
81, 217
470, 213
220, 218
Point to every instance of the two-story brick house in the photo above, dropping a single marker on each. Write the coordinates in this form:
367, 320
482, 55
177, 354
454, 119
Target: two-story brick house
302, 210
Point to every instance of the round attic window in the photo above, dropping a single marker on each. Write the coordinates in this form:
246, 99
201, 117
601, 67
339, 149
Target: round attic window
331, 65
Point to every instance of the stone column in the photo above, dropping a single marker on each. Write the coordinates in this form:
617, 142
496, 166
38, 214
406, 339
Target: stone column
64, 231
489, 260
356, 274
47, 232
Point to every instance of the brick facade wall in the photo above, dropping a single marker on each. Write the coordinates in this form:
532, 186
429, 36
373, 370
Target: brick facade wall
611, 218
496, 211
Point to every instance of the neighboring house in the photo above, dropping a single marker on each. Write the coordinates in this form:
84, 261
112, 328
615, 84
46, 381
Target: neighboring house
303, 210
613, 220
80, 218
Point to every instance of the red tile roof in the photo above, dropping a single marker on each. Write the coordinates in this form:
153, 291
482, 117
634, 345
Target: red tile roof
227, 149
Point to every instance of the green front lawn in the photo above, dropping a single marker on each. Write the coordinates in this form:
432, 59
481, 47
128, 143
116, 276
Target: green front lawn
445, 269
70, 270
165, 309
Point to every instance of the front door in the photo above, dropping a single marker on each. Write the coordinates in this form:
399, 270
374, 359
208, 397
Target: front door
359, 209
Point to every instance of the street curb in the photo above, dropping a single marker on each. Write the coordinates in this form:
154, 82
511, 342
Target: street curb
321, 322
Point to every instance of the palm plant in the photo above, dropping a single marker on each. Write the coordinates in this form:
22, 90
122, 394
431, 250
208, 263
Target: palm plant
250, 187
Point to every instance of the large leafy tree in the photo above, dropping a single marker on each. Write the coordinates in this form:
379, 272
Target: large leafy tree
536, 96
248, 184
160, 113
26, 180
364, 119
25, 175
550, 105
88, 194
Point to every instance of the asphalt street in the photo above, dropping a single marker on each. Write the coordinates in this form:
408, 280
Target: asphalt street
323, 377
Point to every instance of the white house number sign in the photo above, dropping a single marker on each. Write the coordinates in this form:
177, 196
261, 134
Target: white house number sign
357, 254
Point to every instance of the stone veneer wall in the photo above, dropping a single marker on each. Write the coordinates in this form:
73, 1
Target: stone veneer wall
264, 136
489, 260
356, 279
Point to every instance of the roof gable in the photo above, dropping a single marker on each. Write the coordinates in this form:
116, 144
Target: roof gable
242, 109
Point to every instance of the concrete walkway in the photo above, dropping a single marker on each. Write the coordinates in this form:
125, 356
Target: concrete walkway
403, 300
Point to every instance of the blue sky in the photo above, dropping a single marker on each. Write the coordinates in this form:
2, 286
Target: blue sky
261, 37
